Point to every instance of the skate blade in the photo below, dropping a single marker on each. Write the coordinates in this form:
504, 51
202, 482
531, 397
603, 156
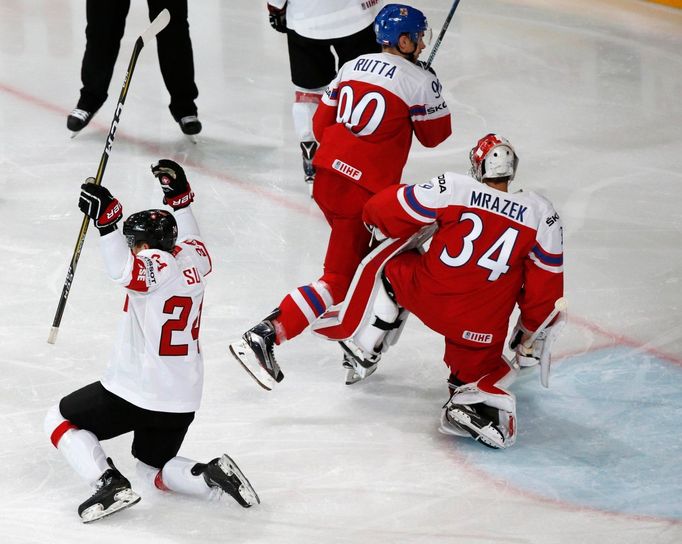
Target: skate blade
73, 134
449, 428
244, 355
192, 138
124, 499
489, 435
247, 492
355, 376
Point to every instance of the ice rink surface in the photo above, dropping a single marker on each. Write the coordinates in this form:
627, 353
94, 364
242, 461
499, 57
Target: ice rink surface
589, 93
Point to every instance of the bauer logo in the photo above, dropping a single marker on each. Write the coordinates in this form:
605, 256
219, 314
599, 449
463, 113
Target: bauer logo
478, 337
346, 169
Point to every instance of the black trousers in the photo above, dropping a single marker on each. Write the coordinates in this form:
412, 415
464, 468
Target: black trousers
157, 435
312, 62
105, 26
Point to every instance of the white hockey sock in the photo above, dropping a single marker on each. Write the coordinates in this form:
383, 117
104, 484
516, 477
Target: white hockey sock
176, 475
305, 104
81, 448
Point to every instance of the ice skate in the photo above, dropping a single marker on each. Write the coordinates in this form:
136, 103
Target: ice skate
77, 120
190, 126
358, 364
112, 493
255, 352
475, 420
223, 473
308, 150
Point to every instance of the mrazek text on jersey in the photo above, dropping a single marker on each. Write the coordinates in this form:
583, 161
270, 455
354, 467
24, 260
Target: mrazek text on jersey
511, 209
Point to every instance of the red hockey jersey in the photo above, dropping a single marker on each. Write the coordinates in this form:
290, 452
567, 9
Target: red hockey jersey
492, 249
368, 113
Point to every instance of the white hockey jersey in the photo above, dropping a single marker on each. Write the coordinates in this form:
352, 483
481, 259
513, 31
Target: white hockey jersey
156, 362
328, 19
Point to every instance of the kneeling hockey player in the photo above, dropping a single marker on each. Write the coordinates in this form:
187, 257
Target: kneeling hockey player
154, 379
492, 250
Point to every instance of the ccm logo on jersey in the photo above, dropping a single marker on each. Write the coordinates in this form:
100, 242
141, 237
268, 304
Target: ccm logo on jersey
347, 169
551, 220
479, 337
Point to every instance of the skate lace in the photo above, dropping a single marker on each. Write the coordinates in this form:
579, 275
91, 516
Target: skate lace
80, 114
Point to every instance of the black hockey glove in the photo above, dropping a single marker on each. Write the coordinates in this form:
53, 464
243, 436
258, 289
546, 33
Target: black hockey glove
176, 190
101, 206
278, 18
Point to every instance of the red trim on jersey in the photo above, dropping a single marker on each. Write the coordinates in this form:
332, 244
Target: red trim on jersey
200, 248
138, 277
61, 429
125, 304
159, 483
313, 98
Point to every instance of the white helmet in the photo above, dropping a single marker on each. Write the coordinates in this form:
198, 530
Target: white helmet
493, 157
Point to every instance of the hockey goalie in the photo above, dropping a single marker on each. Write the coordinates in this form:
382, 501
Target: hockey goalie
492, 249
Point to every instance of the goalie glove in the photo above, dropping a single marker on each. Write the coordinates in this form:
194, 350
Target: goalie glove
176, 190
540, 351
278, 17
100, 205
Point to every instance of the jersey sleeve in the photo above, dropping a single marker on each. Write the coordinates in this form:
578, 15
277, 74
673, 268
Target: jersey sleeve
325, 114
429, 112
187, 224
401, 211
543, 271
116, 254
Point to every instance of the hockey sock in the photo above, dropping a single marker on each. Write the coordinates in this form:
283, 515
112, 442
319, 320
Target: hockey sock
301, 307
305, 104
80, 448
177, 475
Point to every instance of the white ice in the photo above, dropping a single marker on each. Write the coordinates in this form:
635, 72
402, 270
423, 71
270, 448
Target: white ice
589, 91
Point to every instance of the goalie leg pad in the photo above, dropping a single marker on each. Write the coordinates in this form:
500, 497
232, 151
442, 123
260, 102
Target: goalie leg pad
384, 319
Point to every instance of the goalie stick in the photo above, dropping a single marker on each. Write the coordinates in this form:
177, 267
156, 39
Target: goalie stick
156, 26
439, 39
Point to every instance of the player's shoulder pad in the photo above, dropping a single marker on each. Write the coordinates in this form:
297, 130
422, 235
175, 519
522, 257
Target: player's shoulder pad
157, 263
547, 214
438, 191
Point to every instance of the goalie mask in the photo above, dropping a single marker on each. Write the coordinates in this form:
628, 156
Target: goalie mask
493, 157
156, 227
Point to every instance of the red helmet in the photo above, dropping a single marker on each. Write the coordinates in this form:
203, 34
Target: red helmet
493, 157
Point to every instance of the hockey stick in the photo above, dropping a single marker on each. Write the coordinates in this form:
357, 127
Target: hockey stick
439, 39
156, 26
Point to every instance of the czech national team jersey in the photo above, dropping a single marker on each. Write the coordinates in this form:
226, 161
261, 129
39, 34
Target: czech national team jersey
156, 363
488, 245
368, 113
